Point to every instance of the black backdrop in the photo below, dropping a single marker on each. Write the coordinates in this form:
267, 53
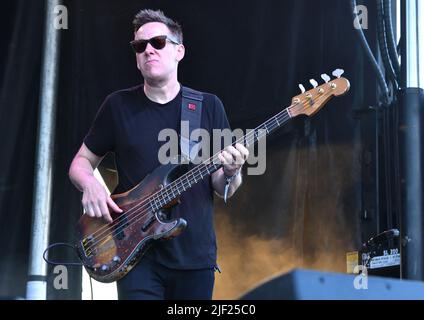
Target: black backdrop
303, 212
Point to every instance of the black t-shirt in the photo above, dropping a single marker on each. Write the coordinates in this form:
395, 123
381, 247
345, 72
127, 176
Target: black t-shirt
128, 124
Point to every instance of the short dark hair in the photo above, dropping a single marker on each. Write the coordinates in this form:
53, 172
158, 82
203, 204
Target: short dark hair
148, 15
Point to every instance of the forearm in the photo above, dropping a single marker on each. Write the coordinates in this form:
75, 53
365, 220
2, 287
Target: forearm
219, 181
81, 173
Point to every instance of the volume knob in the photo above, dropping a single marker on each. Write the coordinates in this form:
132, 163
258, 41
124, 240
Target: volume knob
105, 267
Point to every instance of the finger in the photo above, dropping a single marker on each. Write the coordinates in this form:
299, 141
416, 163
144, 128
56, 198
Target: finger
239, 161
223, 157
89, 211
244, 154
237, 157
228, 157
233, 151
113, 205
105, 212
225, 166
243, 150
230, 149
97, 212
236, 154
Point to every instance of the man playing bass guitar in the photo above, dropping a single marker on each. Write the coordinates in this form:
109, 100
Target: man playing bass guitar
128, 124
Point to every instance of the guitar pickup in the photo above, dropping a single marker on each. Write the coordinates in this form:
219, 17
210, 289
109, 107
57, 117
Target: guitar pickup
119, 227
148, 223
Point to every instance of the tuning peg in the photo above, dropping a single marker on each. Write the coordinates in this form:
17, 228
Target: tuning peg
325, 77
302, 88
338, 73
313, 83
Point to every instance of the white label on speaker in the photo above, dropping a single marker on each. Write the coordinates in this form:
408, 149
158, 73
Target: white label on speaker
385, 261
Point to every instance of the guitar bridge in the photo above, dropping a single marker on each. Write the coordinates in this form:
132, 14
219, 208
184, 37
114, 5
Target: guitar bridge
86, 245
148, 223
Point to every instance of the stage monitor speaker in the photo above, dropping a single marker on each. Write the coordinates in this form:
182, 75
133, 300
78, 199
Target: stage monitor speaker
301, 284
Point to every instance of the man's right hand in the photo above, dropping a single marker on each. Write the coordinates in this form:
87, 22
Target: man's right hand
96, 201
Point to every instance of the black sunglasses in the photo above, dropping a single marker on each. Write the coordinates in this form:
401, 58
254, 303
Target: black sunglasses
157, 42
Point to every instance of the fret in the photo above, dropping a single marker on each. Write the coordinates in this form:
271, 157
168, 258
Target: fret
155, 204
165, 197
201, 172
188, 181
168, 197
161, 198
215, 166
160, 203
249, 139
282, 117
269, 128
198, 173
152, 203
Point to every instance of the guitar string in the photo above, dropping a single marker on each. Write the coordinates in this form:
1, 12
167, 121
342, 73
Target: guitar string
135, 212
140, 213
171, 185
135, 209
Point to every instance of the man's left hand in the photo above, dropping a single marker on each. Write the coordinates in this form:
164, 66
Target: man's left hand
233, 158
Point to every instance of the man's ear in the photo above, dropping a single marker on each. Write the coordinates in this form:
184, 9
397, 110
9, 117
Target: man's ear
180, 52
138, 66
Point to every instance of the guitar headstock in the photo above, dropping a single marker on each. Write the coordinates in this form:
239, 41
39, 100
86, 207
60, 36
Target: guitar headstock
310, 102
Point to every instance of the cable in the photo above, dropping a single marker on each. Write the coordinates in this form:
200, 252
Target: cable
65, 263
381, 238
381, 35
394, 57
380, 78
61, 263
91, 288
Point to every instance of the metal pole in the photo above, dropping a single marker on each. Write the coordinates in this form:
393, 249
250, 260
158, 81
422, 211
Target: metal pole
37, 274
411, 116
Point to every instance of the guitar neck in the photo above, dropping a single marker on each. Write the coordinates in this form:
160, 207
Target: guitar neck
209, 166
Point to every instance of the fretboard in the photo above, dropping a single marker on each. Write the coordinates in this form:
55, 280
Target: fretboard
209, 166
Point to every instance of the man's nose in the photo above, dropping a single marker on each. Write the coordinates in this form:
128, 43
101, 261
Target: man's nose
149, 49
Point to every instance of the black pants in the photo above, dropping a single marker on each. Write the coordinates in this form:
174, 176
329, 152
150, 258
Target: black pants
149, 280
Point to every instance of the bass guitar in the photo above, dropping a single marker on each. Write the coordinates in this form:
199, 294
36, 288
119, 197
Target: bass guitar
109, 251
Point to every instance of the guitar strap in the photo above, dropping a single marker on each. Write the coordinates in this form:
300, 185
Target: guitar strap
191, 114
